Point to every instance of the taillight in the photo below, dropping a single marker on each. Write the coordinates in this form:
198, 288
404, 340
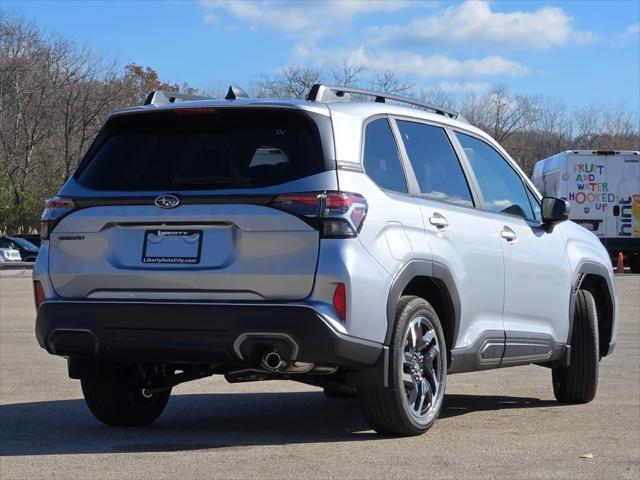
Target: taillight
340, 301
335, 214
38, 293
54, 209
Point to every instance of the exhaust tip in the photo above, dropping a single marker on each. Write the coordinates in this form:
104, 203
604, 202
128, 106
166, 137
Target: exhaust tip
272, 361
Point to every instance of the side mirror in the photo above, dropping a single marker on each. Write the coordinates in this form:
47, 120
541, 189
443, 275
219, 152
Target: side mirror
554, 210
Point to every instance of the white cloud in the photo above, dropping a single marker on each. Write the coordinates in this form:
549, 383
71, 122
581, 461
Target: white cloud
464, 87
632, 32
210, 18
585, 38
474, 24
310, 19
413, 64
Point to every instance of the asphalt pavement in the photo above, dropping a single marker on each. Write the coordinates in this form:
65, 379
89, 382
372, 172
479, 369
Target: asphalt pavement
495, 424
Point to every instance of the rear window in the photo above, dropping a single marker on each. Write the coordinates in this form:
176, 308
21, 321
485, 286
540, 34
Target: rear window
207, 149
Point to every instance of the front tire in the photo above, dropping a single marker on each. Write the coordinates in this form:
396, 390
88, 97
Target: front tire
578, 382
412, 402
117, 401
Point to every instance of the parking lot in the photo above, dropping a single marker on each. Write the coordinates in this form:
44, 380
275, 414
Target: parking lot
502, 423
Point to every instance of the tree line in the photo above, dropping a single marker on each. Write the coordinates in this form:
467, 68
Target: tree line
55, 95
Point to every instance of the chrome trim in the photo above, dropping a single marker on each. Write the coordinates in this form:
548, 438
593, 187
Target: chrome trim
244, 336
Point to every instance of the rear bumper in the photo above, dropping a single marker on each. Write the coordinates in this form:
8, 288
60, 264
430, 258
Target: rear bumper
196, 333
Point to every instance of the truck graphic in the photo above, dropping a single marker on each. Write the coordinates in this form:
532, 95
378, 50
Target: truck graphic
603, 188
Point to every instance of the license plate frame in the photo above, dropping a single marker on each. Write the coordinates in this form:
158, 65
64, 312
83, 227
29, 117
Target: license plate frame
187, 251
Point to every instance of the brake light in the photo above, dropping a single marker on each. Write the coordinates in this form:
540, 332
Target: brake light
300, 204
38, 293
335, 214
54, 209
340, 301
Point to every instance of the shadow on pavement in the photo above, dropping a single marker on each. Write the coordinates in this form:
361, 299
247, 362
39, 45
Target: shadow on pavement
204, 421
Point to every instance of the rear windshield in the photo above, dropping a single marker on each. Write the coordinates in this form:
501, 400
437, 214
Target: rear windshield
202, 149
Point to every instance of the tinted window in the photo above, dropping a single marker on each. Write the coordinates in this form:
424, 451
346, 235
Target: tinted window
501, 186
192, 149
381, 160
434, 163
26, 244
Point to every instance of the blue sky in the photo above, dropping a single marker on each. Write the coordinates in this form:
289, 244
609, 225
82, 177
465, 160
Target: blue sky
580, 51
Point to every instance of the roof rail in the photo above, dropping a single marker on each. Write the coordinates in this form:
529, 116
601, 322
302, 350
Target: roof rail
324, 93
159, 97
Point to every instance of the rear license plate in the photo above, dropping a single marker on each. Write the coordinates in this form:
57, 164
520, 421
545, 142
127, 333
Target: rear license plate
172, 246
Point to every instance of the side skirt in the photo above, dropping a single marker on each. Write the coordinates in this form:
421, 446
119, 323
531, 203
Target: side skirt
496, 349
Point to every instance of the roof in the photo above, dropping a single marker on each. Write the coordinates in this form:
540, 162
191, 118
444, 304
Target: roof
360, 110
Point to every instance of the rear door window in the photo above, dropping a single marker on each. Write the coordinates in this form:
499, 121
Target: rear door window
381, 159
202, 149
434, 162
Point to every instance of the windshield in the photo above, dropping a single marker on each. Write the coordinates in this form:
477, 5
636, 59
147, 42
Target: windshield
26, 244
190, 149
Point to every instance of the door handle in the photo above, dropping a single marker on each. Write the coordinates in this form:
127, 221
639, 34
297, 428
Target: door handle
508, 234
439, 222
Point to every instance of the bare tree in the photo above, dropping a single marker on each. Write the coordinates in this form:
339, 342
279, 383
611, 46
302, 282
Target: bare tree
607, 126
54, 97
290, 82
438, 98
347, 74
388, 82
499, 113
27, 82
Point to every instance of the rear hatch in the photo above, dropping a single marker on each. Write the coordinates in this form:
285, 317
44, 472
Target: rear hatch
184, 204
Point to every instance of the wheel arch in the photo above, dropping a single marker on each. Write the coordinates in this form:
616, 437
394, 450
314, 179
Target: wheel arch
435, 283
595, 278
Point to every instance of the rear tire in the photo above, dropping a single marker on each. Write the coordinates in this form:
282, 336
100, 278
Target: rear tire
578, 382
634, 263
412, 402
115, 400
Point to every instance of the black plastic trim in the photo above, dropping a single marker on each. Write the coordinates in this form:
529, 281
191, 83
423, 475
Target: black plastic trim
593, 268
497, 349
192, 332
422, 268
523, 348
471, 358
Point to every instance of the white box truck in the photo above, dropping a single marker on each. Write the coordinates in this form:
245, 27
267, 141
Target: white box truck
603, 188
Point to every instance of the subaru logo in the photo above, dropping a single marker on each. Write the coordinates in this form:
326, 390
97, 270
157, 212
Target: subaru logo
167, 201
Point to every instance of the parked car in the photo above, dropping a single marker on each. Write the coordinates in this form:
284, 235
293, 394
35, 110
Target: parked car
28, 251
360, 246
9, 254
33, 238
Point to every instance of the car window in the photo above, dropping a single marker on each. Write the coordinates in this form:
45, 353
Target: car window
4, 243
435, 163
209, 149
381, 160
501, 186
535, 205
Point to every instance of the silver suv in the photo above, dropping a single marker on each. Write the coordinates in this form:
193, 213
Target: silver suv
365, 247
